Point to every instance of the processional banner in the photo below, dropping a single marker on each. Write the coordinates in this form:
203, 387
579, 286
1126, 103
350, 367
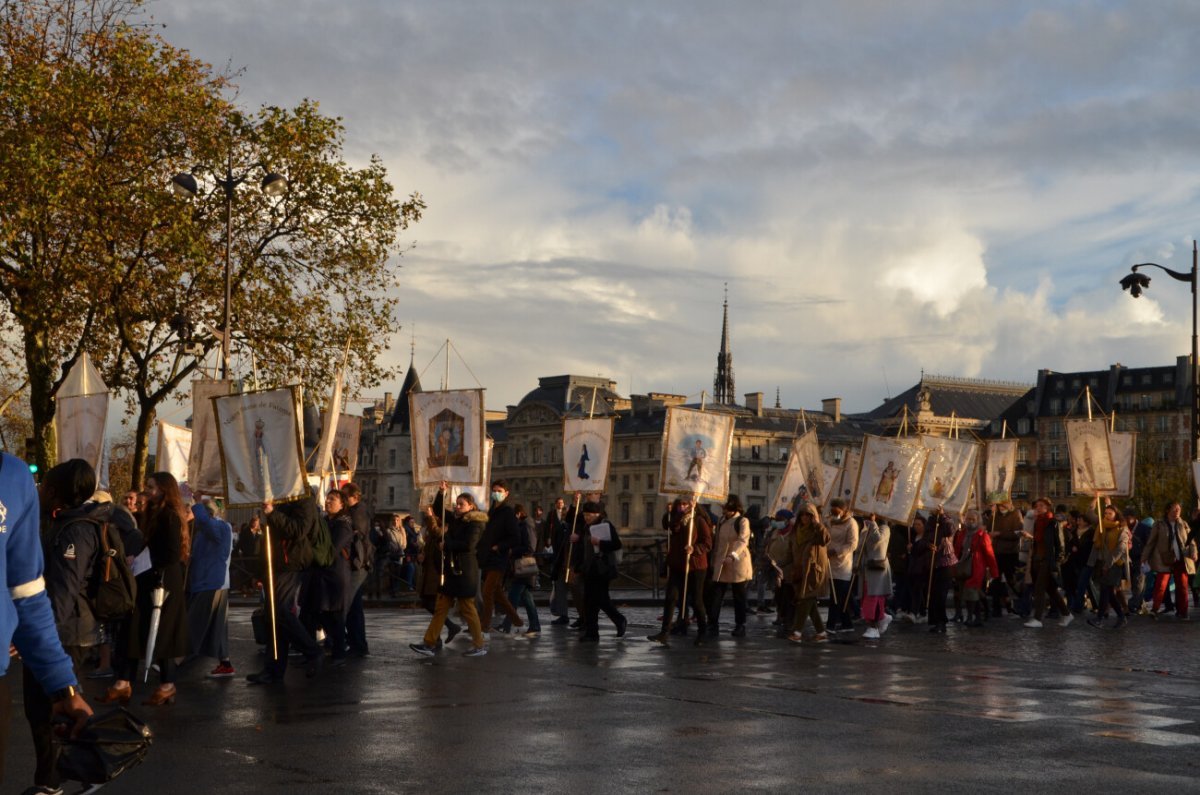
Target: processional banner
1091, 458
1123, 445
172, 451
262, 446
889, 477
949, 473
587, 449
805, 477
204, 457
448, 436
697, 446
999, 470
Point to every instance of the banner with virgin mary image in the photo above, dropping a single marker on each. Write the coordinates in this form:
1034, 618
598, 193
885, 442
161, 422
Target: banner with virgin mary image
587, 446
1091, 458
889, 477
697, 446
262, 446
447, 437
949, 473
204, 455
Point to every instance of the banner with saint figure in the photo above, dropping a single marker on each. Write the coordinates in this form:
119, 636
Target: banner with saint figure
999, 470
1091, 458
447, 437
262, 446
697, 446
587, 446
889, 477
804, 477
481, 492
343, 445
949, 473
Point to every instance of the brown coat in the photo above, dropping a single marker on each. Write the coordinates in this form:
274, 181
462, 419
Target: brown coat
810, 561
1006, 533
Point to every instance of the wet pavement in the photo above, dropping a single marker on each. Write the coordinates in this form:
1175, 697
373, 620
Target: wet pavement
1001, 708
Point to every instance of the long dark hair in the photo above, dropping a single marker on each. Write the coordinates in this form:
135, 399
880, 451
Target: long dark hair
170, 501
67, 485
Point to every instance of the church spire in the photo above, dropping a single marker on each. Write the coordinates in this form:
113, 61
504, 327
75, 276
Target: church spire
723, 389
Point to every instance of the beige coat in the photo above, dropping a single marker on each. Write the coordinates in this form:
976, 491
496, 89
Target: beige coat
732, 540
1159, 551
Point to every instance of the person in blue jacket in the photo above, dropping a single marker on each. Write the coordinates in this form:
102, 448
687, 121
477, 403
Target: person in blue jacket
26, 618
208, 588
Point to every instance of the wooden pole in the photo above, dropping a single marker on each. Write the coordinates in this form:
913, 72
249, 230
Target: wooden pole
571, 543
687, 564
270, 591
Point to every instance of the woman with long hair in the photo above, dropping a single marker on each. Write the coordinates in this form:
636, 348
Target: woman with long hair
168, 539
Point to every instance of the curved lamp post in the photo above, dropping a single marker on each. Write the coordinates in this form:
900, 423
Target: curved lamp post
184, 184
1135, 283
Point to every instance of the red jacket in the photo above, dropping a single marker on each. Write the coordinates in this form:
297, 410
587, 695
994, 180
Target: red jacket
983, 559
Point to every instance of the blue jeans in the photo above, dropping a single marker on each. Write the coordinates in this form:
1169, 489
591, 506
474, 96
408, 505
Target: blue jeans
520, 596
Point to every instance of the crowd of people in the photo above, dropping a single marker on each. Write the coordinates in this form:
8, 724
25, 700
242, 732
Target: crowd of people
807, 566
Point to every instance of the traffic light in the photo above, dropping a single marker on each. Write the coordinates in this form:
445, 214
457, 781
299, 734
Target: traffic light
31, 455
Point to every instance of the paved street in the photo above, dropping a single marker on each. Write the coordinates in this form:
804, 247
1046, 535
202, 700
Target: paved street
999, 709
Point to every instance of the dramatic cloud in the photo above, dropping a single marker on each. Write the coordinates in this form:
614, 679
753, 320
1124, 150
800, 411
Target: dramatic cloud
885, 188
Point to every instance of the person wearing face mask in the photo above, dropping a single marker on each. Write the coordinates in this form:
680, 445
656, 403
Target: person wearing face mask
843, 540
501, 536
777, 563
688, 560
733, 566
459, 573
975, 556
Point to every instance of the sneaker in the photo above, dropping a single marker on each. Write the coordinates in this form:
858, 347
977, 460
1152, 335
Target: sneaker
795, 637
44, 789
1066, 620
622, 623
453, 631
475, 651
1033, 623
661, 639
560, 621
422, 649
222, 671
871, 634
1097, 622
820, 637
885, 623
531, 634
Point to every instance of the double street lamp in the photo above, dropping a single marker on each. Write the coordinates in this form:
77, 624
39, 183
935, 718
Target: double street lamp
1135, 283
272, 184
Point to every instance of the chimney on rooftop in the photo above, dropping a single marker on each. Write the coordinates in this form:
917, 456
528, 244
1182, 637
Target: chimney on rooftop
832, 407
754, 402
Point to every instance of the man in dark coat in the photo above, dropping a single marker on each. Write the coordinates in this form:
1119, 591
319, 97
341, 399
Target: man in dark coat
685, 560
291, 526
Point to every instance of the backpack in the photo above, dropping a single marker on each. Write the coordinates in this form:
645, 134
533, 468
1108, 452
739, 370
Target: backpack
321, 541
112, 589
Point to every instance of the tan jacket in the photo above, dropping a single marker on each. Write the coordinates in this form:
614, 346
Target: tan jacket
1160, 549
732, 541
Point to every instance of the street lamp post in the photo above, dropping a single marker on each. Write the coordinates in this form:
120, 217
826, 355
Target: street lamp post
184, 184
1136, 282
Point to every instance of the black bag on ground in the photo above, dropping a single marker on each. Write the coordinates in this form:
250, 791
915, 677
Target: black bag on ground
109, 744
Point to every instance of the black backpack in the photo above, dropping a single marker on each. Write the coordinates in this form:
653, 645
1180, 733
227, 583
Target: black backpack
112, 589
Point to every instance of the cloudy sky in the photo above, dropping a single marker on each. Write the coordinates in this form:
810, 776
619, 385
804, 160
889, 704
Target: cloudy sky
885, 187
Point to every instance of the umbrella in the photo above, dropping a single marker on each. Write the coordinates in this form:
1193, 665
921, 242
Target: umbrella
157, 597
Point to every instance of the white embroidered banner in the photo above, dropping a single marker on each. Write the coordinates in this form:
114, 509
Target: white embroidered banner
1091, 458
173, 450
262, 446
999, 470
448, 437
889, 477
949, 473
587, 446
204, 457
697, 447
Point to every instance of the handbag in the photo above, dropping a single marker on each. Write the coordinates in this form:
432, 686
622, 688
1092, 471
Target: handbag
964, 567
525, 566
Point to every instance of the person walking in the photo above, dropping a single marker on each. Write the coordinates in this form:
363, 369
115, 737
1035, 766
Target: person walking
843, 540
689, 539
500, 537
810, 571
208, 588
598, 543
460, 567
1172, 556
733, 567
875, 574
1046, 548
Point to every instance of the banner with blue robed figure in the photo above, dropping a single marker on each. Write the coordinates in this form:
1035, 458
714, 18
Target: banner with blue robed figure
697, 446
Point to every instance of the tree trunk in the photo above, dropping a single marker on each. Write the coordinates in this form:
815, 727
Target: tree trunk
40, 370
147, 412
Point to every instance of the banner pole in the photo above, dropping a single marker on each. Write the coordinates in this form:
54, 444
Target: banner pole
571, 543
271, 592
687, 565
